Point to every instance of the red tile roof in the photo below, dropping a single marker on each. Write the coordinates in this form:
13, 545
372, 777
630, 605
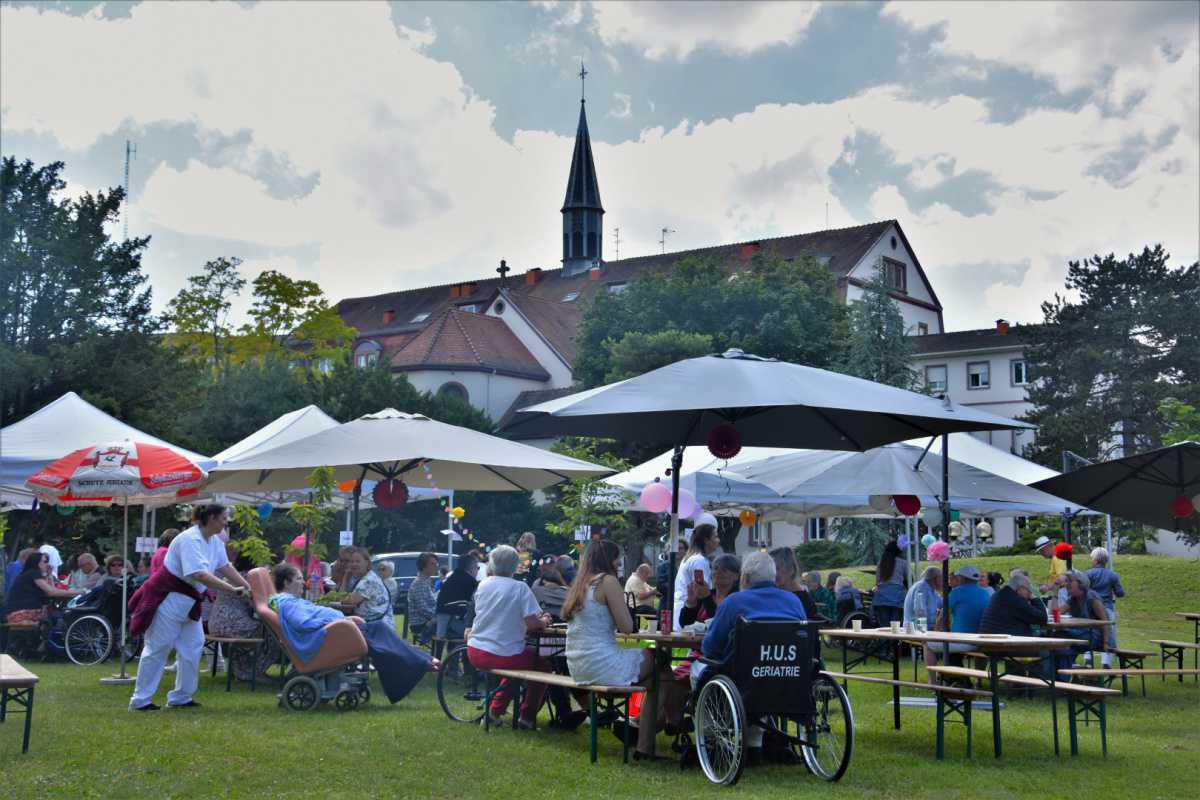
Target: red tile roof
468, 341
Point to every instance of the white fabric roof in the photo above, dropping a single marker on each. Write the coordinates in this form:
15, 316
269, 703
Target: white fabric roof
288, 428
966, 448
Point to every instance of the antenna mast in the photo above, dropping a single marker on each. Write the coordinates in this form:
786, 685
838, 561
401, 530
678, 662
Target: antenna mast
663, 239
617, 244
130, 152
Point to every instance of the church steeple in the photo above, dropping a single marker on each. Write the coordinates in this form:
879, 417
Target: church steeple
582, 214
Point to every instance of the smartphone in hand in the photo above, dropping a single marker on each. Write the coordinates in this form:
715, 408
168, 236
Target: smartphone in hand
698, 575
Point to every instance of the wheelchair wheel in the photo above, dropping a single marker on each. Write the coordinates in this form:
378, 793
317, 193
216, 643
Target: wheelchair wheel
301, 693
364, 694
830, 735
721, 731
462, 689
89, 639
346, 700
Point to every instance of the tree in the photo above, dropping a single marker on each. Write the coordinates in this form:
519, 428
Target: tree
773, 308
865, 538
636, 352
879, 349
1183, 421
293, 319
200, 313
1109, 354
590, 502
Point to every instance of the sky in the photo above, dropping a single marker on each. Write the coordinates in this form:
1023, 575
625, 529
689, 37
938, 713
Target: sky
374, 147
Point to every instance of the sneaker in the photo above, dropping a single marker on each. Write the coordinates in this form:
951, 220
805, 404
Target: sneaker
188, 704
571, 720
147, 707
170, 668
526, 724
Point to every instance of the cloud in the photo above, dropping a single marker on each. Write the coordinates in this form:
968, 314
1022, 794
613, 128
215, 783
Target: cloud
622, 107
675, 29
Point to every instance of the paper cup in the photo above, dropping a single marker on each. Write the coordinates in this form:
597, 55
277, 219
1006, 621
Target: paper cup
895, 626
651, 626
856, 624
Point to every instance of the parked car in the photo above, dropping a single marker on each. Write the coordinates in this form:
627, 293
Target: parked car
406, 571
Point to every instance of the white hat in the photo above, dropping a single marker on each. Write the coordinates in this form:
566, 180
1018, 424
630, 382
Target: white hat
1041, 542
706, 519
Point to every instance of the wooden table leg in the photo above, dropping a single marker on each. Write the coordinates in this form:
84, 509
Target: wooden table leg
994, 681
896, 686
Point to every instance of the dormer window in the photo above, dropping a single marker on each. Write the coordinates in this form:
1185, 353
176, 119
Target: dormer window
424, 315
617, 288
895, 274
570, 297
470, 308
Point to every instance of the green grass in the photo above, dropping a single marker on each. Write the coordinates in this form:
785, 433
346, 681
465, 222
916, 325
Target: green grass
85, 744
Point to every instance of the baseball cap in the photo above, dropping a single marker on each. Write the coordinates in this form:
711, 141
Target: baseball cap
968, 572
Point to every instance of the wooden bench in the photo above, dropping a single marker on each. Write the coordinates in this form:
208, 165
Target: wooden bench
951, 700
1081, 699
567, 682
16, 686
7, 629
254, 645
1171, 649
1130, 659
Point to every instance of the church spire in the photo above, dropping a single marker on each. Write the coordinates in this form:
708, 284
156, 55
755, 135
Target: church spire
582, 212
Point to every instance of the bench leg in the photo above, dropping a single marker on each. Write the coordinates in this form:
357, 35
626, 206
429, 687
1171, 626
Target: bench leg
967, 720
625, 738
1103, 729
3, 703
1071, 725
1054, 706
941, 727
593, 726
229, 669
994, 685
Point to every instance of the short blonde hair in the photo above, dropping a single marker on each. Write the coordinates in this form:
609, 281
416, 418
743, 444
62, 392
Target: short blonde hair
843, 582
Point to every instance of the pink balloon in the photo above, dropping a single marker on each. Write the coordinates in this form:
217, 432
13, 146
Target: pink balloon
656, 498
688, 507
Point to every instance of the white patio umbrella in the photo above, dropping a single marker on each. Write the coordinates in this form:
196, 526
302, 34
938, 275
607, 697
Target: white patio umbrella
391, 446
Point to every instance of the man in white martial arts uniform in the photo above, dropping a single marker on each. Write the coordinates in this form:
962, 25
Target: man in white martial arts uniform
195, 559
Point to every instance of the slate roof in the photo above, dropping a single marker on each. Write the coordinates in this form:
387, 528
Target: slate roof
531, 397
462, 340
583, 188
978, 339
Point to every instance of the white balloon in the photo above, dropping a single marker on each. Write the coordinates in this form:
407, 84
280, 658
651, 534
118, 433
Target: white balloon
932, 517
880, 502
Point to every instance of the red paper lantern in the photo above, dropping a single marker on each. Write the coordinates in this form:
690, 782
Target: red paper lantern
390, 495
724, 441
1063, 551
907, 504
1182, 507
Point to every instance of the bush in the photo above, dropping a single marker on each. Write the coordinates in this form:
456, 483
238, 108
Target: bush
822, 554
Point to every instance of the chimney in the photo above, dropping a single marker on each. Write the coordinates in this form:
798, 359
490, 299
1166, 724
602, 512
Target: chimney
1001, 327
455, 290
469, 289
749, 249
388, 316
594, 273
533, 275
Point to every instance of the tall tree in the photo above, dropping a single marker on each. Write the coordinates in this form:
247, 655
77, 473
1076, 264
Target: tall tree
293, 319
200, 312
1124, 339
879, 348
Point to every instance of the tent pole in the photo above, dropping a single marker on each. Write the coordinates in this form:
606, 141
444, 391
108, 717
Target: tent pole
946, 530
1108, 542
450, 527
1067, 534
676, 467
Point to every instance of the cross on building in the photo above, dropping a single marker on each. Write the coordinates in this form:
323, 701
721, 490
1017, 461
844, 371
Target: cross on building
582, 83
503, 269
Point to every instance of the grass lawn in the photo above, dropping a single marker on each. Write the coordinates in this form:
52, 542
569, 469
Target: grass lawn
85, 744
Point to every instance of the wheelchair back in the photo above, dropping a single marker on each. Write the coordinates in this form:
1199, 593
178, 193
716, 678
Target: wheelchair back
773, 665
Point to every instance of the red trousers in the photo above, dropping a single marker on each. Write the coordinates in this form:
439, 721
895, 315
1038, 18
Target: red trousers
528, 659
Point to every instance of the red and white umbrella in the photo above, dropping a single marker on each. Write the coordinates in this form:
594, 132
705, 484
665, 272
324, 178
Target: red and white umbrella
121, 473
118, 473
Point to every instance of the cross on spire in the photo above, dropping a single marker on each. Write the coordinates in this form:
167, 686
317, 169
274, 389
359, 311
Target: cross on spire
582, 82
503, 269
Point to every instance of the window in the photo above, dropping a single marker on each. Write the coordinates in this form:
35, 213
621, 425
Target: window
761, 534
617, 288
366, 353
591, 245
817, 529
979, 375
935, 379
424, 315
454, 390
577, 244
895, 274
366, 359
470, 308
1019, 372
499, 306
570, 297
922, 329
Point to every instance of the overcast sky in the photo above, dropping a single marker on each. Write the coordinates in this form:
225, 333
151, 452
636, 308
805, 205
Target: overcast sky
374, 147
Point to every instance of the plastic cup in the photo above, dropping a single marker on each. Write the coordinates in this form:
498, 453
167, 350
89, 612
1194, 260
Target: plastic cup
895, 626
856, 624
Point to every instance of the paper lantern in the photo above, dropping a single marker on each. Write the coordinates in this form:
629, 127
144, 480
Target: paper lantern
956, 529
932, 517
264, 510
902, 541
907, 504
1063, 551
724, 441
1182, 507
938, 551
984, 530
954, 515
928, 539
458, 512
747, 518
390, 495
347, 486
688, 507
656, 498
881, 503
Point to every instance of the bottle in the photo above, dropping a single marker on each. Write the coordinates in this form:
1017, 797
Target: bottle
919, 611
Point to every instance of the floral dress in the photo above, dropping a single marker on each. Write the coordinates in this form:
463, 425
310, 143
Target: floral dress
232, 617
377, 601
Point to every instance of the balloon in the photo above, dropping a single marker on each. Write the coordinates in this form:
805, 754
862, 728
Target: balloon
907, 504
390, 495
747, 518
881, 503
932, 517
724, 441
928, 539
656, 498
458, 512
902, 541
984, 530
1182, 507
938, 551
1063, 551
347, 486
688, 507
956, 529
264, 510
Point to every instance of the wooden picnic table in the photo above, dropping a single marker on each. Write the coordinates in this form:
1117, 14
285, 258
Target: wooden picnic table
1194, 617
16, 686
995, 646
1068, 623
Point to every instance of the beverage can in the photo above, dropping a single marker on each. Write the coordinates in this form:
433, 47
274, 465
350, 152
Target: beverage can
664, 620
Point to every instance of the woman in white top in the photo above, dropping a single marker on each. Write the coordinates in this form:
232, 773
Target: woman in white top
595, 609
703, 544
505, 610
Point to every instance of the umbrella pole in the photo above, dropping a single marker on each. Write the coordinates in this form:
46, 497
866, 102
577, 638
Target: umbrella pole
946, 530
1108, 543
122, 678
1067, 534
450, 527
357, 500
676, 466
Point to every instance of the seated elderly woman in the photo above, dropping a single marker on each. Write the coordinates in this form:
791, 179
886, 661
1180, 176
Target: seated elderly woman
849, 599
232, 617
399, 666
30, 593
387, 574
505, 610
87, 573
1084, 603
371, 599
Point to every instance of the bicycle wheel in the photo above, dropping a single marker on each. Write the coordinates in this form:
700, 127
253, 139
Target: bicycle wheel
830, 735
89, 640
721, 731
462, 689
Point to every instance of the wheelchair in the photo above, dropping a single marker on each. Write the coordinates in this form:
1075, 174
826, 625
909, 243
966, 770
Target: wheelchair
773, 680
86, 629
